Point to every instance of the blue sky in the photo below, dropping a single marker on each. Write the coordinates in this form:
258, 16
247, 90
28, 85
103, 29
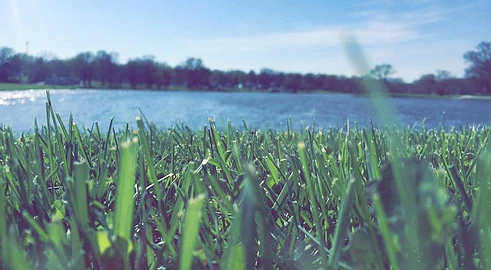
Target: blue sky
415, 36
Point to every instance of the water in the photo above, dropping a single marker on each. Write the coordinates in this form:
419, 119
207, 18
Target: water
18, 109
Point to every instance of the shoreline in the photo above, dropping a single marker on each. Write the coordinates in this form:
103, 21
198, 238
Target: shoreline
5, 87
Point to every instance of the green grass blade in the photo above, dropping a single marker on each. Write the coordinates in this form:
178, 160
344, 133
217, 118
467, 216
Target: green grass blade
125, 189
80, 178
342, 226
390, 248
192, 221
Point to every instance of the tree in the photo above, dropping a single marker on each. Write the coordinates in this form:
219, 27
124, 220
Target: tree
278, 79
382, 72
39, 70
427, 84
83, 67
192, 73
220, 80
334, 83
442, 75
163, 76
117, 76
132, 72
345, 84
17, 65
310, 81
480, 65
265, 78
59, 68
5, 63
251, 79
444, 80
106, 67
149, 70
195, 73
237, 78
293, 82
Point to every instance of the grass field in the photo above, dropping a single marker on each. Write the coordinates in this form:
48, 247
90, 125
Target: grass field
235, 198
232, 198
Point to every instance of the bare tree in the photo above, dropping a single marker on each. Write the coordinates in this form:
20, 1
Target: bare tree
442, 75
382, 72
480, 65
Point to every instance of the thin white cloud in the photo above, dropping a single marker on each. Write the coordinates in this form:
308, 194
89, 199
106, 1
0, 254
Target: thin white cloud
410, 18
371, 3
374, 27
373, 33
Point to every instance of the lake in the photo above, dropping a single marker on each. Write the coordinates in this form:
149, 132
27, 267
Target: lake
18, 109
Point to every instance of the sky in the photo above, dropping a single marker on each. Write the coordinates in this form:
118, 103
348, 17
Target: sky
415, 36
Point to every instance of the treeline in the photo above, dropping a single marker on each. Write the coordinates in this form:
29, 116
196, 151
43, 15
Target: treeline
103, 70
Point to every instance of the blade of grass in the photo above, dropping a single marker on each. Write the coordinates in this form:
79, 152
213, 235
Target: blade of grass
192, 221
125, 190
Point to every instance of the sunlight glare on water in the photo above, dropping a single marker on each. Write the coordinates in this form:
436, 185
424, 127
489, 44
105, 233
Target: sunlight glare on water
18, 109
13, 97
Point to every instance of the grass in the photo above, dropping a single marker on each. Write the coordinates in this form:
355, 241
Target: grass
243, 199
150, 198
27, 86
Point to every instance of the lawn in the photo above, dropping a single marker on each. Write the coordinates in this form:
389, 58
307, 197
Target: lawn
27, 86
234, 198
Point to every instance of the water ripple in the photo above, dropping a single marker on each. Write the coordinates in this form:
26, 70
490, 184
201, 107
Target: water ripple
18, 109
